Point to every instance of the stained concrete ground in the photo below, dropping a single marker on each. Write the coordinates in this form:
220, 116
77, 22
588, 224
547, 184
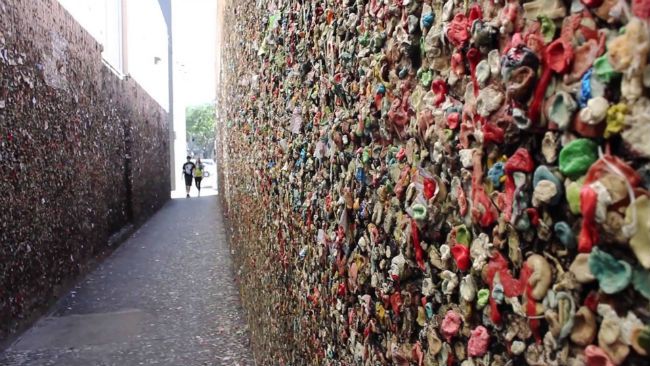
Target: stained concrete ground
166, 296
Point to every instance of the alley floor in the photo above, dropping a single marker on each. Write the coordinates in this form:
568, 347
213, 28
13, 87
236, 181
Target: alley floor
166, 296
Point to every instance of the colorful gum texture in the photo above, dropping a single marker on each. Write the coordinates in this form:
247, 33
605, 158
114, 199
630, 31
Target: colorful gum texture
387, 163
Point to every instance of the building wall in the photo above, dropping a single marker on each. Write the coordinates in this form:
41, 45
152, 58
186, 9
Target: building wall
104, 21
82, 154
219, 94
166, 7
134, 38
147, 46
179, 140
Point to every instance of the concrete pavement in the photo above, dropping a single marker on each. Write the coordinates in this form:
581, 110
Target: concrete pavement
167, 296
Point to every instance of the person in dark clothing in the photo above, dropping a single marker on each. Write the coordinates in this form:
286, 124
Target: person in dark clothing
188, 170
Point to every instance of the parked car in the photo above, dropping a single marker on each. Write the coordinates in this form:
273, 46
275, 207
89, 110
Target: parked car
209, 173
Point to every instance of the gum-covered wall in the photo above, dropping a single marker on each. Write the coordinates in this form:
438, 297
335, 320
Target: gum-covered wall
82, 154
439, 182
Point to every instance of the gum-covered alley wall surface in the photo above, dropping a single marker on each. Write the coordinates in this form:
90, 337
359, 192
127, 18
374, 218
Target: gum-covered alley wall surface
82, 154
440, 182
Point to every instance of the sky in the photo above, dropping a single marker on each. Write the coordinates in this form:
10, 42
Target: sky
194, 33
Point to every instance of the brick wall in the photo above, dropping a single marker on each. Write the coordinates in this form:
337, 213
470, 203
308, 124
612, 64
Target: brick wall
82, 154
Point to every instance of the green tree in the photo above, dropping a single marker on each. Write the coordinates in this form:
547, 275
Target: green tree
200, 122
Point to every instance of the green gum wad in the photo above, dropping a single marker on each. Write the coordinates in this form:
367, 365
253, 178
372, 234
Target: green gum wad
573, 195
604, 70
483, 296
429, 309
358, 130
577, 156
426, 77
641, 281
419, 211
369, 123
548, 28
463, 236
365, 157
364, 39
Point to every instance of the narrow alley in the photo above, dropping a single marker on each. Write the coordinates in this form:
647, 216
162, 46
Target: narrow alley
166, 296
397, 182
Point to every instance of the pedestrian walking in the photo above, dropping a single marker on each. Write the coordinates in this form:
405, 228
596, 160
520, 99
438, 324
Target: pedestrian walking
188, 171
198, 174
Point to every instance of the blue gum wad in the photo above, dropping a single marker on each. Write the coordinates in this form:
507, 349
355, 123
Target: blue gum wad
577, 156
613, 275
565, 234
544, 173
495, 173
